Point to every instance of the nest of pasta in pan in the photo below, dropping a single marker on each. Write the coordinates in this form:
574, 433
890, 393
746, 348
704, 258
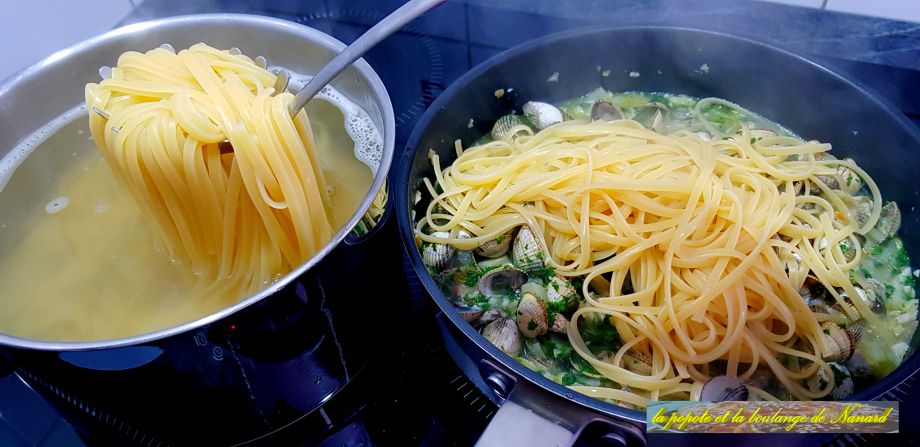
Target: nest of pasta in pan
635, 246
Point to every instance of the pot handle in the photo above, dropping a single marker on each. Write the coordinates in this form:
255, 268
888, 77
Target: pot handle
532, 417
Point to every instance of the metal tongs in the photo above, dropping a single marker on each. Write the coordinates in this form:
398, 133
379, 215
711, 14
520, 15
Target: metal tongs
389, 25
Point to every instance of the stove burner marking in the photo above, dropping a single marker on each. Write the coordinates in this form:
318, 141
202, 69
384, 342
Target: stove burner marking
335, 338
245, 380
322, 412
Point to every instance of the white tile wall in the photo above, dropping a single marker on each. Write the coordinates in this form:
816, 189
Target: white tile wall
31, 30
906, 10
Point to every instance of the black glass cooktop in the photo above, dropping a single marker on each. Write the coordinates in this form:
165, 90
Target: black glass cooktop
412, 393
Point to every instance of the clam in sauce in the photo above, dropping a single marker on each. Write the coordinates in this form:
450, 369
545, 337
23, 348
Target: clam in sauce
504, 289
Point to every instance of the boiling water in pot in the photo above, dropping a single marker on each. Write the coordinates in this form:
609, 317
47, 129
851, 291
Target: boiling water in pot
79, 263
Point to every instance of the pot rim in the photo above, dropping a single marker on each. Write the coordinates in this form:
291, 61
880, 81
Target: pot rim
304, 32
407, 227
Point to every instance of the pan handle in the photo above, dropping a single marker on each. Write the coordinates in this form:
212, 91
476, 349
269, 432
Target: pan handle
532, 417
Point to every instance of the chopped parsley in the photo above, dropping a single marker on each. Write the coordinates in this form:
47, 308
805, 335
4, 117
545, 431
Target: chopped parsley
844, 248
501, 238
600, 336
553, 308
559, 349
577, 284
827, 331
902, 259
839, 375
840, 325
532, 325
545, 273
569, 379
877, 250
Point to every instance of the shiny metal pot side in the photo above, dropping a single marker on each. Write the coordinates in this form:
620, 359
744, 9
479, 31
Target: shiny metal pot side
253, 367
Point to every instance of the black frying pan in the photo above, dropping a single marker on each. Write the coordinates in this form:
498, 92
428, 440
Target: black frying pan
811, 100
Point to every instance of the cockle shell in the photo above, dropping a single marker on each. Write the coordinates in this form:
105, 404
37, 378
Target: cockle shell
504, 334
877, 295
762, 133
526, 251
651, 115
860, 371
436, 255
860, 207
843, 388
841, 340
560, 289
637, 362
531, 316
704, 135
850, 180
541, 114
829, 180
889, 222
496, 246
819, 381
606, 111
560, 322
488, 317
724, 389
505, 124
469, 314
848, 254
875, 302
501, 280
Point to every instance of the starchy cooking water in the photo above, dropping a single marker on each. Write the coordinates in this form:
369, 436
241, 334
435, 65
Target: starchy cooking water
77, 261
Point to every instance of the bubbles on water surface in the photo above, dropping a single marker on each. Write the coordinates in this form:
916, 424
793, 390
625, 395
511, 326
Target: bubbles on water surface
358, 124
57, 205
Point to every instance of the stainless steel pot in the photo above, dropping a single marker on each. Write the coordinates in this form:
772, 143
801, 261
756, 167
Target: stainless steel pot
811, 100
248, 369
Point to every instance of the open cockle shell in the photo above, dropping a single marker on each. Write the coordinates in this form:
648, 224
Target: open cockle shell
500, 281
531, 316
606, 111
526, 251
